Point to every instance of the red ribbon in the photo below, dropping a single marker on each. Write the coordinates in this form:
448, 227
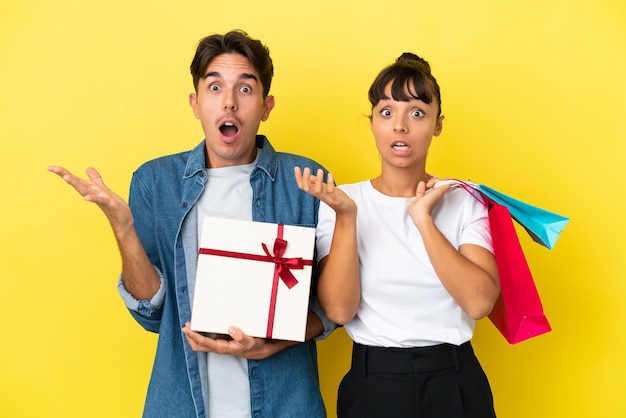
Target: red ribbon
282, 268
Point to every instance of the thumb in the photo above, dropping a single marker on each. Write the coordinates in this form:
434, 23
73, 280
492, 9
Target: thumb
421, 189
235, 333
94, 176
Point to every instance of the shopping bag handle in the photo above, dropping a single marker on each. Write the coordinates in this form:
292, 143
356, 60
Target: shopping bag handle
469, 187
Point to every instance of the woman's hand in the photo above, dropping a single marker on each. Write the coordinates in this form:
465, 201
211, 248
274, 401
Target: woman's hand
327, 192
422, 206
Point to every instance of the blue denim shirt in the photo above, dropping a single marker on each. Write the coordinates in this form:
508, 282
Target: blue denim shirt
163, 195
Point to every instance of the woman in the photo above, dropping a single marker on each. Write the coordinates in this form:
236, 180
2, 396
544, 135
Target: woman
405, 265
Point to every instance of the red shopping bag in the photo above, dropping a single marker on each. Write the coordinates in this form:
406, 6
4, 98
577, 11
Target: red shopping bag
518, 313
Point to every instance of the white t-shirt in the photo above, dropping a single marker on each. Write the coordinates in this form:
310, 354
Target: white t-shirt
227, 194
403, 303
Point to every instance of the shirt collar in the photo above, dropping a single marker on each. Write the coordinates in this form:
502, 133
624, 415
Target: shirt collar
266, 160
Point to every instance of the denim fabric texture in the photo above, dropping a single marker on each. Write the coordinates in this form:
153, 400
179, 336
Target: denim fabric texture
163, 194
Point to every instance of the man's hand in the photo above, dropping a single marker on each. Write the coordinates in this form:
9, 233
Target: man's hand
239, 344
93, 190
138, 275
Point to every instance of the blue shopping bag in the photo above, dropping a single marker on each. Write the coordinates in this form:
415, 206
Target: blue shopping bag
543, 226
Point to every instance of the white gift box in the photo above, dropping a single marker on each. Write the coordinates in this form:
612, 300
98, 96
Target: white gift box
242, 278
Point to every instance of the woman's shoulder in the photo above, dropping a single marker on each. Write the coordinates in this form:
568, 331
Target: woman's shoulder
358, 186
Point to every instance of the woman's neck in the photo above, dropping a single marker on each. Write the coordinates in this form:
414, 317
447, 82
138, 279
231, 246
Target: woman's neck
399, 183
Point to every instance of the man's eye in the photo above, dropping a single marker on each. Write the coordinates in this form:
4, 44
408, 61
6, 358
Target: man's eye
214, 87
418, 113
245, 89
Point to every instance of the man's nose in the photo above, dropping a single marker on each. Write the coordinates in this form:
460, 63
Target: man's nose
230, 102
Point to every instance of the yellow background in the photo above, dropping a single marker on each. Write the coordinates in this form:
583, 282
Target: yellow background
534, 97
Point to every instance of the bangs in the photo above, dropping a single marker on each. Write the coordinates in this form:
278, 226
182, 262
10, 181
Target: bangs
406, 84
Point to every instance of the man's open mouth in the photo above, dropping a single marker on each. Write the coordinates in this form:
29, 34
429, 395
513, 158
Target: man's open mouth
229, 129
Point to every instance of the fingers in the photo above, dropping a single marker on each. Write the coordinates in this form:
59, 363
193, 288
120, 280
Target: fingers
199, 342
192, 339
303, 178
318, 181
431, 181
93, 190
330, 183
420, 191
94, 176
65, 174
424, 203
240, 337
82, 186
311, 183
240, 344
327, 192
59, 171
297, 173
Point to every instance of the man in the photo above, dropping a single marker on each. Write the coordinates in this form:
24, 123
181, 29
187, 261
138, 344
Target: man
233, 173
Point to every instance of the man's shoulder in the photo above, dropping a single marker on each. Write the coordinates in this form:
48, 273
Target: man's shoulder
168, 162
296, 159
164, 159
272, 159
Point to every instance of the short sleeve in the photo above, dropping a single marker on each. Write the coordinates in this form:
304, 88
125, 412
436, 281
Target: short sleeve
324, 231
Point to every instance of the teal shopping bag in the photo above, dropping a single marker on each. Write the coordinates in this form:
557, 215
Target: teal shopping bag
543, 226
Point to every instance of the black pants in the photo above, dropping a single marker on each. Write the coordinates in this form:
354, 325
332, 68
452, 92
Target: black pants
442, 381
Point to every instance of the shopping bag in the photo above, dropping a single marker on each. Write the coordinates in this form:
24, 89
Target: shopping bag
543, 226
518, 313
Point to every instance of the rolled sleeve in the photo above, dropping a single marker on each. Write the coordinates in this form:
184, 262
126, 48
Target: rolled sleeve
329, 326
145, 308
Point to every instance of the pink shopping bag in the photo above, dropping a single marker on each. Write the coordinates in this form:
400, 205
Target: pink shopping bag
518, 313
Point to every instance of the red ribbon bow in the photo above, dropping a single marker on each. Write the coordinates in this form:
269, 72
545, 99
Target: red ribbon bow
283, 266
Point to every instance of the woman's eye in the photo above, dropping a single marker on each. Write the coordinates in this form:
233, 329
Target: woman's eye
385, 112
418, 113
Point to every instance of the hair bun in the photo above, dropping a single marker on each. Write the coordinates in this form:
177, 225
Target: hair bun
412, 58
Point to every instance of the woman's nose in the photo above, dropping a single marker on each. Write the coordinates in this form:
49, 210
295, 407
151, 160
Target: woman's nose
399, 125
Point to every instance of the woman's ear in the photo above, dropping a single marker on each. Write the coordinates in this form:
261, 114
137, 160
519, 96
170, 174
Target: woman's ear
439, 125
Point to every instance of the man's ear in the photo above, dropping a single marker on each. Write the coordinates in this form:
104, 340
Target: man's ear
268, 105
193, 102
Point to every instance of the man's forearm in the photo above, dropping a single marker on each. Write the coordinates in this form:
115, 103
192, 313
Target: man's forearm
138, 275
314, 326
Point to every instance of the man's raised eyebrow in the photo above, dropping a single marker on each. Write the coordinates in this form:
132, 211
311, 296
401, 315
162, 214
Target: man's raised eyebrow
243, 76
